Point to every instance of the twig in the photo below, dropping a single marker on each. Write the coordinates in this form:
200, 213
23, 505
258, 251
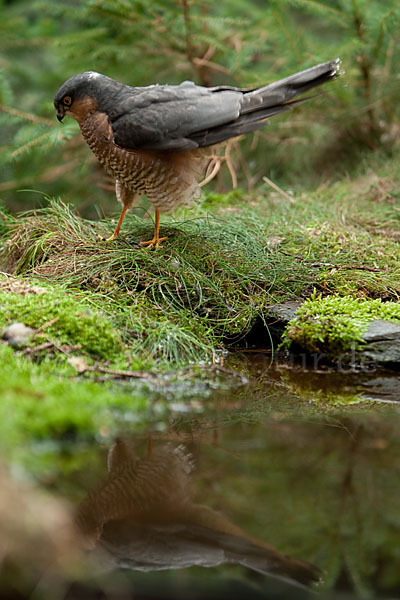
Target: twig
229, 164
46, 325
202, 62
331, 265
344, 267
278, 189
39, 348
27, 116
64, 349
118, 373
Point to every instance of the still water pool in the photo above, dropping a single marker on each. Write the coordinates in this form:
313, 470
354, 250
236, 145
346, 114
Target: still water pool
281, 483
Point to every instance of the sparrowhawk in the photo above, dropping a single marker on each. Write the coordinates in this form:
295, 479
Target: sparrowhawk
156, 140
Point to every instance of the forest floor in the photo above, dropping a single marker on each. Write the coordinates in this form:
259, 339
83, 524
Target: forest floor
105, 315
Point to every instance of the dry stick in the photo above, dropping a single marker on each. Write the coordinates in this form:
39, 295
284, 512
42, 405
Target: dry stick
46, 345
39, 348
331, 265
46, 325
278, 189
359, 268
202, 62
344, 267
118, 373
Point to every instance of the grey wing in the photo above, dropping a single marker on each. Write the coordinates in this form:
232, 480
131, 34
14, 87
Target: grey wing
189, 116
166, 117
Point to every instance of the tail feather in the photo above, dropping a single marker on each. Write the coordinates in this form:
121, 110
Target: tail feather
262, 103
290, 87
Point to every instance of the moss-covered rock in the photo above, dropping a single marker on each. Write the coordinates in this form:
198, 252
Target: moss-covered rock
63, 317
336, 324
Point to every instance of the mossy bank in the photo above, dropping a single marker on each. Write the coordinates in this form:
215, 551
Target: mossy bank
124, 308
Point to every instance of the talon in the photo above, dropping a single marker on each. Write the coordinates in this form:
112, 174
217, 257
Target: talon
155, 242
104, 239
118, 227
148, 243
158, 244
111, 238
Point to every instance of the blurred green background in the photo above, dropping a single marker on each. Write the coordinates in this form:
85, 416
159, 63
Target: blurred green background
240, 42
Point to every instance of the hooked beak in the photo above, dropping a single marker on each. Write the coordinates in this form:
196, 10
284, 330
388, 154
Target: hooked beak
60, 114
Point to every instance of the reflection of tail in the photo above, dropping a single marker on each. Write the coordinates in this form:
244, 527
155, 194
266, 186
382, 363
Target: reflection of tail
143, 514
245, 550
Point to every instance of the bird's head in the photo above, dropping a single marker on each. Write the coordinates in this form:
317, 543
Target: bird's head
83, 94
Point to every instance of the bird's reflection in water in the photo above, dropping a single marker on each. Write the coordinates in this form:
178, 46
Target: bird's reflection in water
143, 516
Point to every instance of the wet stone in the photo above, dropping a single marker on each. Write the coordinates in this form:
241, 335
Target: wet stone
284, 312
279, 315
383, 339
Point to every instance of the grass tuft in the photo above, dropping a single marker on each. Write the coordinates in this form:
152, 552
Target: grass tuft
220, 271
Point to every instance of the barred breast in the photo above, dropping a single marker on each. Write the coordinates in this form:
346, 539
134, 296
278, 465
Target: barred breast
169, 179
143, 488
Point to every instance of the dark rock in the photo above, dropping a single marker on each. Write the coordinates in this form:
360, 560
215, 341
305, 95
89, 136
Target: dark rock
383, 389
279, 315
284, 312
271, 326
383, 343
382, 339
381, 330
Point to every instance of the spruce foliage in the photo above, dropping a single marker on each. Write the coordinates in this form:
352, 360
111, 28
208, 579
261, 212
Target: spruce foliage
242, 43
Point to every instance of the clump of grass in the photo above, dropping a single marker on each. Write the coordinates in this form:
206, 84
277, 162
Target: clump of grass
335, 324
102, 328
185, 341
222, 271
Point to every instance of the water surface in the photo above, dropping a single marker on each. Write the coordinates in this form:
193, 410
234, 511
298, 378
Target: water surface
260, 487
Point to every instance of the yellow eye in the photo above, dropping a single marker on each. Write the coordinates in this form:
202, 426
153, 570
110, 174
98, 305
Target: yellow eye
67, 101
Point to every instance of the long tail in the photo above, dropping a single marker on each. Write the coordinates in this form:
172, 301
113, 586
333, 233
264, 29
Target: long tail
282, 91
265, 102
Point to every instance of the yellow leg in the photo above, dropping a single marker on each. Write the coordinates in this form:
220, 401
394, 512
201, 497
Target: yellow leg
156, 241
118, 227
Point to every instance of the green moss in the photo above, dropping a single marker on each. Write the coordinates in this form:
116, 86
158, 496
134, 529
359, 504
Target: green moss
36, 402
229, 200
336, 323
76, 323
